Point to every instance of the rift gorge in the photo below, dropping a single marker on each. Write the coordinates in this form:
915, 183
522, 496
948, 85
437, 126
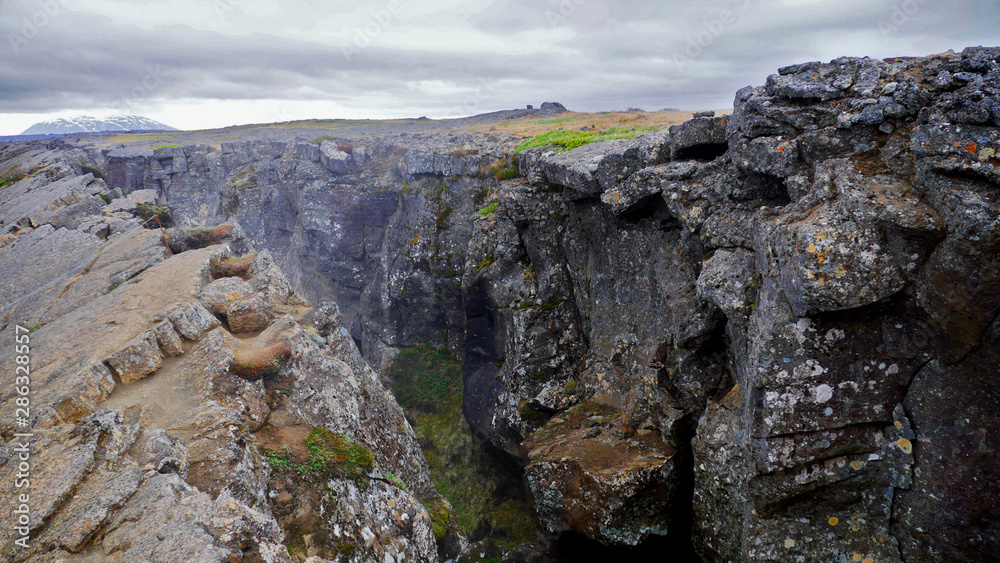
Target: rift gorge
526, 336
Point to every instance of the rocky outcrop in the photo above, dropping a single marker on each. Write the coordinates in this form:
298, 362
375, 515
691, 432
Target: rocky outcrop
156, 433
776, 326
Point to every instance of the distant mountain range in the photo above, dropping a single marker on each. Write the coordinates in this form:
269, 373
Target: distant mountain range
86, 124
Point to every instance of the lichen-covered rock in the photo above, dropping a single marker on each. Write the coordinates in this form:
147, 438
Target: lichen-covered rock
586, 477
192, 320
728, 279
137, 360
334, 159
266, 277
698, 138
168, 339
249, 314
220, 294
578, 169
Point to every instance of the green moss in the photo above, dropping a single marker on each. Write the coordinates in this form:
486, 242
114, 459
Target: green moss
488, 209
395, 481
570, 387
486, 263
36, 327
321, 138
91, 170
442, 217
106, 198
147, 211
440, 518
10, 180
508, 173
461, 469
170, 146
553, 304
329, 455
426, 379
566, 140
527, 411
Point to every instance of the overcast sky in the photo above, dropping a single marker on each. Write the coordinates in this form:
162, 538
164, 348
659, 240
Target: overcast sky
197, 64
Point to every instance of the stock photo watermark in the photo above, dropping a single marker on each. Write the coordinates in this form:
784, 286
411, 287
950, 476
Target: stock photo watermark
899, 16
35, 16
709, 32
470, 104
22, 442
225, 7
151, 80
563, 12
377, 24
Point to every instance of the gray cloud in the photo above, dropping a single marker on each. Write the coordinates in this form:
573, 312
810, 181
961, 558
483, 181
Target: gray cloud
436, 54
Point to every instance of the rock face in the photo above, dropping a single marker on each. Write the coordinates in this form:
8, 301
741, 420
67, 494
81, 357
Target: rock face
155, 434
779, 325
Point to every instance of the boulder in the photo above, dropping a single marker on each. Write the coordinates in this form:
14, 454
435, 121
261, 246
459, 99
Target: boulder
249, 314
137, 360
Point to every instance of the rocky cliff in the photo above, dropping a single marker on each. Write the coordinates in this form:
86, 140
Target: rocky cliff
769, 336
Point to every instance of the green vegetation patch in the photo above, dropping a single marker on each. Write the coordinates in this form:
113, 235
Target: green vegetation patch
329, 455
426, 379
172, 146
147, 211
488, 209
567, 140
428, 385
321, 138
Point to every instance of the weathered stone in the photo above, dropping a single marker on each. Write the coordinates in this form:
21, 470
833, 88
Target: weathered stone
614, 490
218, 295
249, 314
168, 339
193, 320
729, 279
137, 360
578, 169
334, 159
703, 138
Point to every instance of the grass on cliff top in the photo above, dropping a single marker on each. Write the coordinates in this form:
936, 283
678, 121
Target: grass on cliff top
428, 385
565, 140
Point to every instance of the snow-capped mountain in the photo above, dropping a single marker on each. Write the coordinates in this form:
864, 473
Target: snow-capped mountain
86, 124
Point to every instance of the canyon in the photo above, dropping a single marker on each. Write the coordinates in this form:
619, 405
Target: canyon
770, 335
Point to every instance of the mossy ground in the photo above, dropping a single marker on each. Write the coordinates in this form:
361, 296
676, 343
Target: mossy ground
328, 455
566, 139
428, 385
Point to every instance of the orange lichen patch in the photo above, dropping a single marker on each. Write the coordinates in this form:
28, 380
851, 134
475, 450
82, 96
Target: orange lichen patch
819, 257
415, 240
972, 147
256, 363
834, 521
869, 560
899, 425
812, 248
781, 148
905, 445
789, 543
857, 465
856, 557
